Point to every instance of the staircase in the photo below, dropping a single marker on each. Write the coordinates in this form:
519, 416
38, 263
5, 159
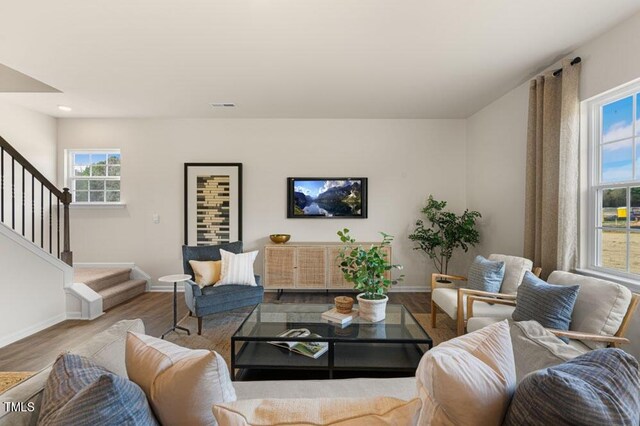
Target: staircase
113, 284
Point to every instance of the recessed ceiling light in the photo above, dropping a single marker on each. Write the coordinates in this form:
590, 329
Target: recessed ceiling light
223, 105
64, 108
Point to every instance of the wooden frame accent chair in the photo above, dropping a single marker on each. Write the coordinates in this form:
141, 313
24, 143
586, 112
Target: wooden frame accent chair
447, 297
601, 315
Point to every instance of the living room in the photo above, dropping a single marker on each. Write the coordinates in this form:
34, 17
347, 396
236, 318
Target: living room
415, 99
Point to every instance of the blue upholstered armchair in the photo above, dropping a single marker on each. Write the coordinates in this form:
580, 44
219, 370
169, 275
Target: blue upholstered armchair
212, 299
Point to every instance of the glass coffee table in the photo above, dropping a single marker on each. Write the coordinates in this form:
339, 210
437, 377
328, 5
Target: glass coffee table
392, 347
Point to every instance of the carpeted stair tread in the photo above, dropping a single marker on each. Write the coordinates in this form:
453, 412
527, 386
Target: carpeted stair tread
121, 292
99, 279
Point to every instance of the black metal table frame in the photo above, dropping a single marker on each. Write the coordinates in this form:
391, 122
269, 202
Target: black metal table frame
175, 325
331, 368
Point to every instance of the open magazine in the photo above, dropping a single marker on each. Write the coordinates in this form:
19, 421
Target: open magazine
310, 349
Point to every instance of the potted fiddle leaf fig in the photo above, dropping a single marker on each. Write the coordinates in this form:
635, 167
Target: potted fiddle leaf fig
445, 232
366, 268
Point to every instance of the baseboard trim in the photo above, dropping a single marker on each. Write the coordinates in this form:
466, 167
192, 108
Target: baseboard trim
410, 289
74, 315
26, 332
78, 316
157, 288
406, 289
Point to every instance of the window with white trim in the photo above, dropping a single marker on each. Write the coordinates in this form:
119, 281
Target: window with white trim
614, 182
93, 176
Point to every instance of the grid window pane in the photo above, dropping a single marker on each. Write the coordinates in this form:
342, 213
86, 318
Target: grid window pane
81, 170
99, 174
634, 252
113, 170
95, 185
637, 114
617, 162
99, 170
98, 158
614, 208
81, 159
613, 249
617, 120
96, 196
82, 196
634, 216
113, 196
638, 154
113, 185
82, 185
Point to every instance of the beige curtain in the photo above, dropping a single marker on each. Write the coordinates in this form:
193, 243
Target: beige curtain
551, 215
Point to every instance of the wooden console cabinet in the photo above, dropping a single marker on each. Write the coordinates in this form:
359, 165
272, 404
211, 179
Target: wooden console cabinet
305, 266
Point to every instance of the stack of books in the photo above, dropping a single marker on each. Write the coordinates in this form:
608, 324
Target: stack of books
332, 315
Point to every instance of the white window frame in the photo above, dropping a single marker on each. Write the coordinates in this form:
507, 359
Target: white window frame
594, 207
69, 177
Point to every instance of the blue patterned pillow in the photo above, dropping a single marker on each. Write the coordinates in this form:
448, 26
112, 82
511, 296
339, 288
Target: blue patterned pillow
550, 305
600, 387
485, 275
81, 392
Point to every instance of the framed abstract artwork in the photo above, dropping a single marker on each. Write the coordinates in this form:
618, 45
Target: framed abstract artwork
212, 203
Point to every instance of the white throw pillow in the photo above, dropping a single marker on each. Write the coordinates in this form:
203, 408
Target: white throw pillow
468, 380
237, 268
319, 412
515, 268
181, 384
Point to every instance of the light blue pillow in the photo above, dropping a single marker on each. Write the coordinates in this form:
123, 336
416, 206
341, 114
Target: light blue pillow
600, 387
78, 391
485, 275
550, 305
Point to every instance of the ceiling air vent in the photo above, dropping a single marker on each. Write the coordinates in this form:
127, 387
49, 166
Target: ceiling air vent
223, 105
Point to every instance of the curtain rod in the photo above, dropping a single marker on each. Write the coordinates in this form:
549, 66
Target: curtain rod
576, 60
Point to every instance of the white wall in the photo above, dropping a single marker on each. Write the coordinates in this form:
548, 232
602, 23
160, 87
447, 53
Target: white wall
405, 160
496, 153
32, 288
33, 135
36, 284
496, 142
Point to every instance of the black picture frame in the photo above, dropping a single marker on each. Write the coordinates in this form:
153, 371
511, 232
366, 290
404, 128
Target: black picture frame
364, 189
189, 191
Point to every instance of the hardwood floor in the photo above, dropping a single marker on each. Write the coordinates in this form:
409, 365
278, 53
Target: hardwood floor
155, 309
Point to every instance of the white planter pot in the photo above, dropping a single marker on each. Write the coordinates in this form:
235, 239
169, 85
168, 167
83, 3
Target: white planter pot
372, 310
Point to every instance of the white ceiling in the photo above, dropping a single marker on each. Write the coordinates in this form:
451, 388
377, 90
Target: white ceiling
289, 58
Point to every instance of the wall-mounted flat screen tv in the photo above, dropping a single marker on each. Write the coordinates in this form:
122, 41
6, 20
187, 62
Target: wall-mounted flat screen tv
326, 197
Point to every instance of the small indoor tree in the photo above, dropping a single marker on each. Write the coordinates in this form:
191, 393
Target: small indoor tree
444, 233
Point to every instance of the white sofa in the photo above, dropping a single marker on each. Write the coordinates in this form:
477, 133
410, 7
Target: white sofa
533, 348
107, 349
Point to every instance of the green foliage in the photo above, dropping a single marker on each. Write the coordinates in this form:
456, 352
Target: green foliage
445, 233
618, 197
366, 268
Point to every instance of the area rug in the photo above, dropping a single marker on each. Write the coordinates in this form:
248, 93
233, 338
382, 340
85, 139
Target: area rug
9, 379
217, 330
